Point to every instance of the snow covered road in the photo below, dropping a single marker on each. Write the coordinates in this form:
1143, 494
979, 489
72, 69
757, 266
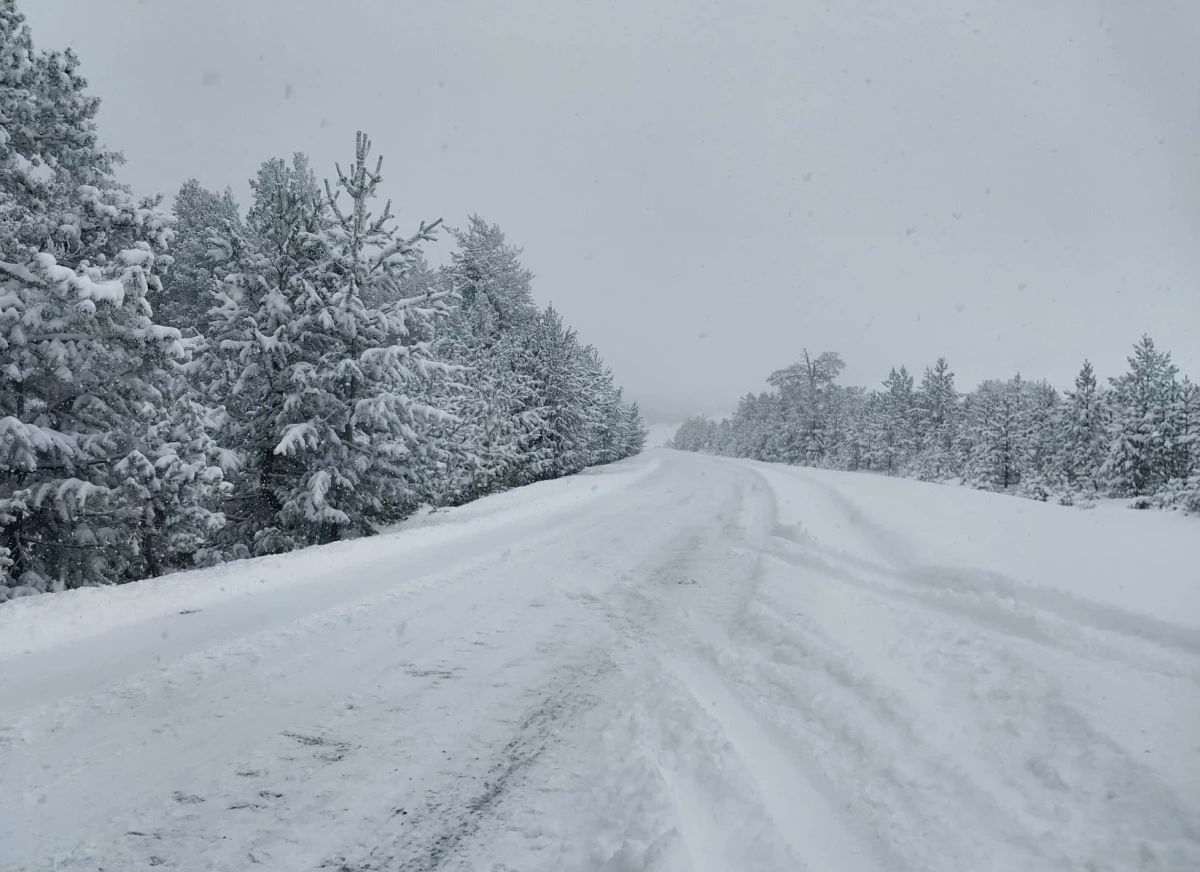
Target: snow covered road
674, 663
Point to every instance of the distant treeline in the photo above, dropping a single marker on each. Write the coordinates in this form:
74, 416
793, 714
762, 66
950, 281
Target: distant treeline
1138, 437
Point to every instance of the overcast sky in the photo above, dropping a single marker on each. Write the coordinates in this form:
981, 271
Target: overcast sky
705, 188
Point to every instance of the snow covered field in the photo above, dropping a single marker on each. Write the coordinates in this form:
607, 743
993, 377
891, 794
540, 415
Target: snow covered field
675, 663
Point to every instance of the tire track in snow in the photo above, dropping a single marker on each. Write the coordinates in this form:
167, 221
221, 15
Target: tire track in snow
802, 814
903, 566
746, 804
999, 605
425, 840
926, 812
1041, 780
444, 832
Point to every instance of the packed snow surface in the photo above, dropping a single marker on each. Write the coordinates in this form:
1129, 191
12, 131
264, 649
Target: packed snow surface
673, 663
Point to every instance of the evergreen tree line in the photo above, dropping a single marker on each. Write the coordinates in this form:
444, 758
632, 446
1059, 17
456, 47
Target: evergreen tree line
182, 389
1138, 437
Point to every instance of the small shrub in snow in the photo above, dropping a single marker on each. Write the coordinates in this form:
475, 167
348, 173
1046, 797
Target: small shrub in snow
1180, 494
1034, 490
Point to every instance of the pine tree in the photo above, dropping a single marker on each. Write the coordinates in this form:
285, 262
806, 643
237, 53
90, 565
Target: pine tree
1041, 443
491, 394
605, 442
351, 419
173, 484
187, 288
84, 370
322, 388
694, 434
1037, 444
266, 266
1139, 456
806, 390
991, 435
1182, 489
1180, 429
601, 402
891, 418
873, 452
634, 439
850, 417
1082, 432
746, 428
937, 412
487, 395
487, 273
552, 358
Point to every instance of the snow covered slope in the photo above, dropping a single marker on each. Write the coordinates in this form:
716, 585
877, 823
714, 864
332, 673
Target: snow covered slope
675, 663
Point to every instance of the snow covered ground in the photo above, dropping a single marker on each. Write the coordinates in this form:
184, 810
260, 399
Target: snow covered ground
675, 663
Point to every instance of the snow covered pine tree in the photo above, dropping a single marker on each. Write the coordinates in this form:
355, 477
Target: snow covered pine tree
200, 215
87, 450
319, 359
490, 394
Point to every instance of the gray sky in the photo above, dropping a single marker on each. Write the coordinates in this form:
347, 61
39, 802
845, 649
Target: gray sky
704, 188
